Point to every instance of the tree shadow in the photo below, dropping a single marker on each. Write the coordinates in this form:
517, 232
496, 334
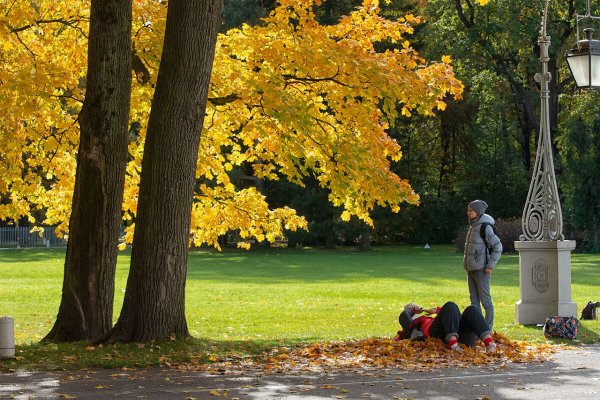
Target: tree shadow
32, 254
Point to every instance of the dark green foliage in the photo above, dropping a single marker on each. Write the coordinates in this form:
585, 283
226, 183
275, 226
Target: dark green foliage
238, 12
325, 225
579, 146
331, 11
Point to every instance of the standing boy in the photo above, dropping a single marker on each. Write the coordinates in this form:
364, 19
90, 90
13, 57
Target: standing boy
481, 256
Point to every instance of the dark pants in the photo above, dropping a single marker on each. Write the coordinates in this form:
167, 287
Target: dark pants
468, 326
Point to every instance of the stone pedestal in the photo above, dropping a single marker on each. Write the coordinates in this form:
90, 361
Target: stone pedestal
544, 280
7, 337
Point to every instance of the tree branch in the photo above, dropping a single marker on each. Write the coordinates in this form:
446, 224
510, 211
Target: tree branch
142, 74
63, 96
9, 8
293, 79
221, 101
459, 8
24, 45
70, 23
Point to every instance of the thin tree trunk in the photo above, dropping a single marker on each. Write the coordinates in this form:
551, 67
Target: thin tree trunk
530, 123
86, 307
154, 304
365, 239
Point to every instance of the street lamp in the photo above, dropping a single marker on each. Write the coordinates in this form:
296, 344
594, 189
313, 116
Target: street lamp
544, 254
584, 61
584, 57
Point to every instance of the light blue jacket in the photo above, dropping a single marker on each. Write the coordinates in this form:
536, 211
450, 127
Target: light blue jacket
475, 249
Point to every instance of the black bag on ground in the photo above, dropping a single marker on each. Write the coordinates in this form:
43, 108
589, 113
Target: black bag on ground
561, 327
590, 311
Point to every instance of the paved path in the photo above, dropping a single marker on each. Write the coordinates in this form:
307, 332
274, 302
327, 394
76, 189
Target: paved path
571, 374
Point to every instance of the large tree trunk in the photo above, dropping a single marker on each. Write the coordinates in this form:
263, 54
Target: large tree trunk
86, 307
154, 304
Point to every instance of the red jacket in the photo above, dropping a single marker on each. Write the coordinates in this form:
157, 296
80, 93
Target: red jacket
423, 323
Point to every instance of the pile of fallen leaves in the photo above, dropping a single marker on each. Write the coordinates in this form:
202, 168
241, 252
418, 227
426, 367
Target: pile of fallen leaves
380, 353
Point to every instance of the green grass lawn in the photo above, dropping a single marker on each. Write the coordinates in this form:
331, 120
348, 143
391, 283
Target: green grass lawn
281, 296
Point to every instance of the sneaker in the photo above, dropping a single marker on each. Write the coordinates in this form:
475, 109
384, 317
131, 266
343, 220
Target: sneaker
417, 336
490, 348
457, 348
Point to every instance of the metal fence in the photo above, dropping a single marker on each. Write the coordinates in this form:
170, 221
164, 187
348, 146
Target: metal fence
13, 237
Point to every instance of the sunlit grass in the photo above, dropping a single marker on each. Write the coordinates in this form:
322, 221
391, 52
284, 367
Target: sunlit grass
252, 300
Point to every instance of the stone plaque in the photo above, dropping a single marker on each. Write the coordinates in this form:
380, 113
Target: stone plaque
541, 270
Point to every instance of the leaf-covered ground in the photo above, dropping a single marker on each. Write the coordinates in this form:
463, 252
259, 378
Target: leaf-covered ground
380, 353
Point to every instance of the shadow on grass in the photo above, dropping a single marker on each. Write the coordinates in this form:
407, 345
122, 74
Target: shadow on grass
437, 266
276, 265
587, 335
32, 254
81, 355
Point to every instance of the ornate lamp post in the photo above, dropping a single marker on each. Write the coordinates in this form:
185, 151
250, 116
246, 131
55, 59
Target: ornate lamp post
542, 216
544, 254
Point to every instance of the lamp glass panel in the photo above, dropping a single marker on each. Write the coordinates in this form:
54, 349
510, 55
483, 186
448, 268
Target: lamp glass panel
580, 69
596, 70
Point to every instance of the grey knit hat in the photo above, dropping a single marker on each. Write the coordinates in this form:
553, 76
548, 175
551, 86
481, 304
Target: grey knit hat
479, 206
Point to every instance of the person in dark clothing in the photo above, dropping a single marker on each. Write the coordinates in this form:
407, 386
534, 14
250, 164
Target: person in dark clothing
449, 324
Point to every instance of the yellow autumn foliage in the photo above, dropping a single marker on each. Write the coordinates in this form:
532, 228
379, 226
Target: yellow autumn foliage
290, 97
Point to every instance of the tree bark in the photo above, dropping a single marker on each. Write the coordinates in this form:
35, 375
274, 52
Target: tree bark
86, 308
154, 304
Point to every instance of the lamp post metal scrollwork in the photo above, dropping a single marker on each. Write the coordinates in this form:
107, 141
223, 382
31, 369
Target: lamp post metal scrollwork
542, 215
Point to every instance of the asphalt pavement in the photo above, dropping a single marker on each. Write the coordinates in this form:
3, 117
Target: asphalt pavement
569, 374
